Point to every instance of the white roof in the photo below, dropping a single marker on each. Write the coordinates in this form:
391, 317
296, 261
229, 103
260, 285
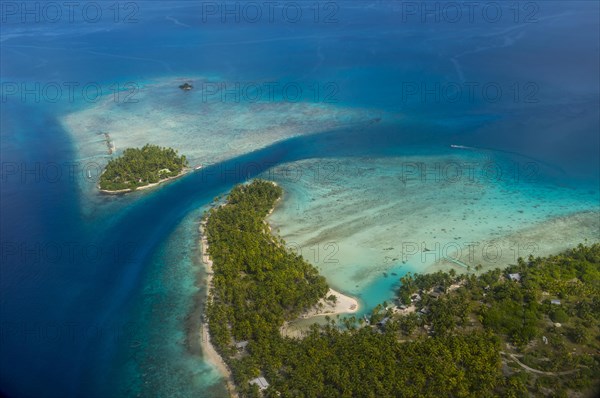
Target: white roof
260, 382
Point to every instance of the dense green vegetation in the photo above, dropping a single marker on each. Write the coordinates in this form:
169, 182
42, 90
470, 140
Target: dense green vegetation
548, 319
257, 283
455, 347
138, 167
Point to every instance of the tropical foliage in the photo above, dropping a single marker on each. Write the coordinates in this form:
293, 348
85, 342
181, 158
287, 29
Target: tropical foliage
453, 345
547, 319
138, 167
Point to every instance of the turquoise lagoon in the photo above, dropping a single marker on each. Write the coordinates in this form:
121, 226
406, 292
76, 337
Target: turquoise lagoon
124, 322
365, 222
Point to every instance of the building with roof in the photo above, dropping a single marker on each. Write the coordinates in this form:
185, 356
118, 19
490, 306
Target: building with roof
240, 345
515, 277
261, 382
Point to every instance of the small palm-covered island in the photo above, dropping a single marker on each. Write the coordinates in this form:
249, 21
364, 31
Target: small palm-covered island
139, 168
528, 330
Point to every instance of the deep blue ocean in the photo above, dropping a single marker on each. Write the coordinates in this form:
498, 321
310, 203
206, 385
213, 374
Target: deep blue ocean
90, 301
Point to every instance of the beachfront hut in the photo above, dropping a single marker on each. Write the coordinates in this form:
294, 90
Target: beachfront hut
415, 297
240, 345
260, 382
383, 321
515, 277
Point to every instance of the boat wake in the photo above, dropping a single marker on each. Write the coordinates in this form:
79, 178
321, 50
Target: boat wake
548, 165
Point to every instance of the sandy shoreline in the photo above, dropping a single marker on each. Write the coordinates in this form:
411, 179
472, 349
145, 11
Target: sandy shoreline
343, 305
208, 350
127, 190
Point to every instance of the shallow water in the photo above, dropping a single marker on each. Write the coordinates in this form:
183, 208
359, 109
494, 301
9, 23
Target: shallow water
110, 311
362, 220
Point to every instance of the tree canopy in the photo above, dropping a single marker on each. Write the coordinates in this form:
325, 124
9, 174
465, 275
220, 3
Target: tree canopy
138, 167
456, 347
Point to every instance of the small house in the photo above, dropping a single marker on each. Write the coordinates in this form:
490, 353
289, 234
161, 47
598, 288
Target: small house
515, 277
240, 345
261, 382
555, 301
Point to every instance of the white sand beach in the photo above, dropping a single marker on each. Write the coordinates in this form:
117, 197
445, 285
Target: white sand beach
365, 222
155, 184
208, 350
342, 305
